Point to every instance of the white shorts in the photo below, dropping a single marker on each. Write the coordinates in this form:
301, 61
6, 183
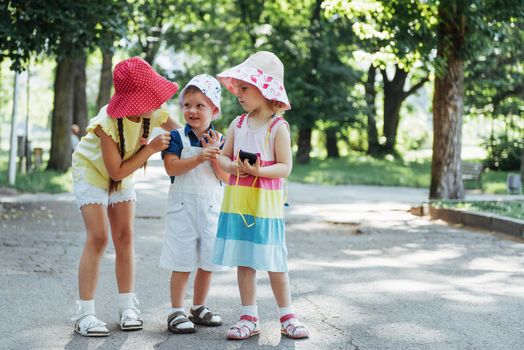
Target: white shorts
88, 194
191, 229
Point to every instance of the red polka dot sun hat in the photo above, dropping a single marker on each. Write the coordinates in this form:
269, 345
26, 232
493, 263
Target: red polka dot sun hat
262, 69
138, 89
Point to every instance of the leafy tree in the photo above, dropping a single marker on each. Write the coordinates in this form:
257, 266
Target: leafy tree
464, 29
320, 80
396, 35
494, 88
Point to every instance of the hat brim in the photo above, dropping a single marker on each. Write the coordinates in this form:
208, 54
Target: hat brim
270, 87
151, 99
181, 101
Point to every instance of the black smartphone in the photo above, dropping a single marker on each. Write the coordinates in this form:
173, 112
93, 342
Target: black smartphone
251, 157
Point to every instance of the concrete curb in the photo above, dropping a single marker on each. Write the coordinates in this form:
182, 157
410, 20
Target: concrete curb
482, 220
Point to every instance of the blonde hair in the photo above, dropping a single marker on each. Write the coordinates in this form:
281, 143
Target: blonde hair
277, 107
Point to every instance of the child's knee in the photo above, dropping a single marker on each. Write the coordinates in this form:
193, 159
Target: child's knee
246, 271
123, 237
97, 241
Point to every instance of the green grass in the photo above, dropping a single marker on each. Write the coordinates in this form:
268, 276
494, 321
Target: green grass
38, 180
358, 170
513, 209
365, 170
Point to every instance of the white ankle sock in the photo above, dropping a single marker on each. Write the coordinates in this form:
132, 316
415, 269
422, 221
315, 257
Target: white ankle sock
175, 309
214, 318
87, 307
126, 301
283, 311
251, 310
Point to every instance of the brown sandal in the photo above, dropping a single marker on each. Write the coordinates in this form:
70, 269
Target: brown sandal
206, 319
173, 323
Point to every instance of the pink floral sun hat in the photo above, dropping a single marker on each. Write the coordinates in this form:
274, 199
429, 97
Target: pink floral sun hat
209, 86
262, 69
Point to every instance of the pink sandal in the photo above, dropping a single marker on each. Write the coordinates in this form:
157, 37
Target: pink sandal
292, 328
245, 328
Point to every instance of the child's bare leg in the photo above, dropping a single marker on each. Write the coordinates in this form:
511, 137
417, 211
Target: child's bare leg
177, 321
247, 326
96, 241
178, 288
202, 283
247, 285
121, 220
200, 313
290, 325
280, 286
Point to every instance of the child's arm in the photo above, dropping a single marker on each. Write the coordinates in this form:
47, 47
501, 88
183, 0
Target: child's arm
219, 172
284, 158
224, 160
116, 167
214, 140
175, 166
171, 124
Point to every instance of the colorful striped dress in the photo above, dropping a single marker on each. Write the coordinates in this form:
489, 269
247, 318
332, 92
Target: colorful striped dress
251, 227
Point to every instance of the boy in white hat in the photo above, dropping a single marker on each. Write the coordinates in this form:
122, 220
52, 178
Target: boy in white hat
194, 200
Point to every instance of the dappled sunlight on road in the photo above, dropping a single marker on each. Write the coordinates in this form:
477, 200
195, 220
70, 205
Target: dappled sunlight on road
400, 279
408, 332
498, 263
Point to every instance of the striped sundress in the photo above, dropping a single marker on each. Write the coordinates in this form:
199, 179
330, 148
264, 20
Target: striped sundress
251, 228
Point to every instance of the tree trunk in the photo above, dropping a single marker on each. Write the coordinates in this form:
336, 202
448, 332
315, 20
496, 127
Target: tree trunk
331, 143
306, 127
448, 105
60, 153
304, 145
106, 79
394, 95
371, 111
80, 96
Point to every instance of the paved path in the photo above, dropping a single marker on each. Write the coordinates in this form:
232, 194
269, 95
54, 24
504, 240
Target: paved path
365, 275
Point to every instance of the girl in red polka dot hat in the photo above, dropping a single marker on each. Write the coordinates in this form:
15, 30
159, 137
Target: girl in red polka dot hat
103, 165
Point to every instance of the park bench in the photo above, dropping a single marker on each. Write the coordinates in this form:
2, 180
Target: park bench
472, 172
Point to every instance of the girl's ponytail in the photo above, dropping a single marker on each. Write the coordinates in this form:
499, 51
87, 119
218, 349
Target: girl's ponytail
115, 185
145, 134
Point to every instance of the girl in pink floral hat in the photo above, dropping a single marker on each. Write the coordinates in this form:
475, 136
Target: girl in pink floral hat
103, 165
257, 155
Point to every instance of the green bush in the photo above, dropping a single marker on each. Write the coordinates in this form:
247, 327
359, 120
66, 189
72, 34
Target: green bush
503, 154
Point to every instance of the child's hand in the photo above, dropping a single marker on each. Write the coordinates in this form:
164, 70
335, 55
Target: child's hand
245, 167
209, 154
161, 142
211, 139
142, 141
235, 169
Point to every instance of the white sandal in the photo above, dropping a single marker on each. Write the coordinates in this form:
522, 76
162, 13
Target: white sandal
246, 327
86, 322
292, 328
129, 313
130, 320
90, 326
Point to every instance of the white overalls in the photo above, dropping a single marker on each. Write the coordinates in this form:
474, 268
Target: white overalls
193, 207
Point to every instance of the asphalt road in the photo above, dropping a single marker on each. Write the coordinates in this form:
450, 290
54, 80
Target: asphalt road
365, 274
